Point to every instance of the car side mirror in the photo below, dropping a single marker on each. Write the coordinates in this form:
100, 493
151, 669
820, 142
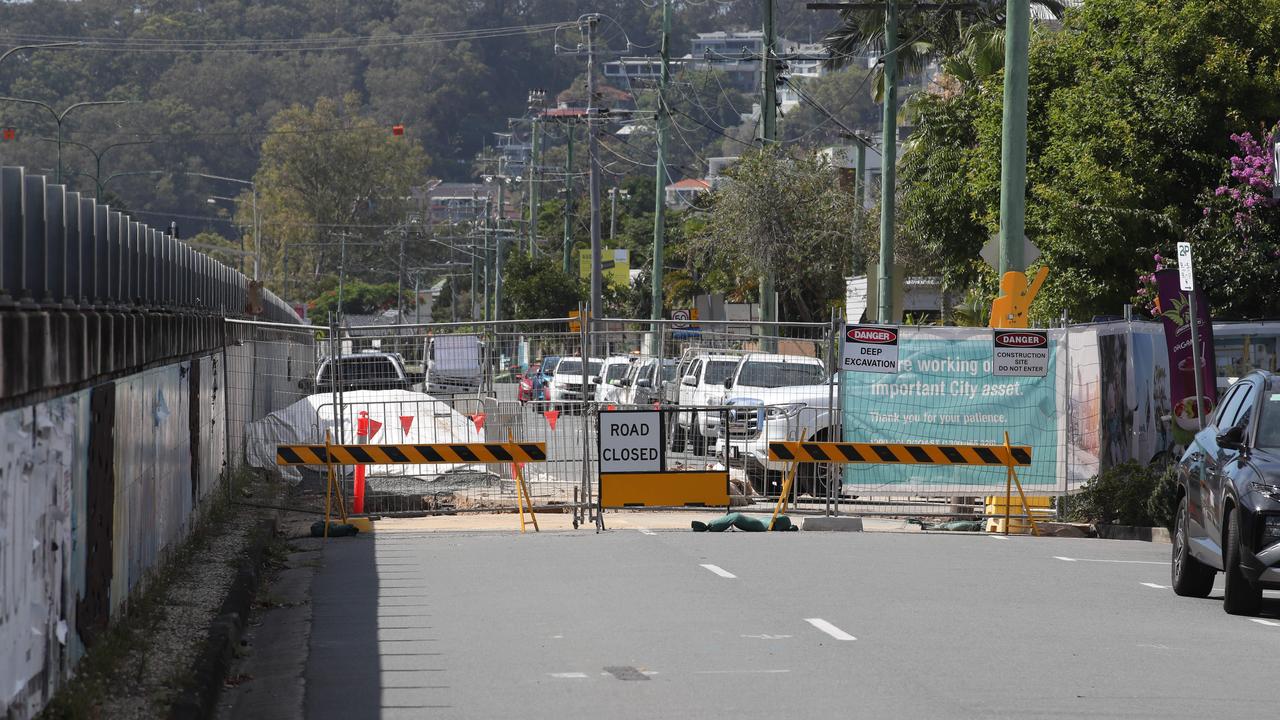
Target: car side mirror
690, 380
728, 383
1232, 439
643, 383
595, 380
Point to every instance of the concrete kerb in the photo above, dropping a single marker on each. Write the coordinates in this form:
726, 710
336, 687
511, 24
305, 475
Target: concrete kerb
198, 700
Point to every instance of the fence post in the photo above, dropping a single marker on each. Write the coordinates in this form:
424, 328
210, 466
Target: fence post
836, 414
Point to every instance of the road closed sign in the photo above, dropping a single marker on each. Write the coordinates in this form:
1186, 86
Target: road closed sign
631, 441
1021, 353
870, 348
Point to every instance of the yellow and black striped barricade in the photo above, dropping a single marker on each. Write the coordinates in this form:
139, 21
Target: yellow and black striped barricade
1007, 456
430, 454
516, 453
886, 453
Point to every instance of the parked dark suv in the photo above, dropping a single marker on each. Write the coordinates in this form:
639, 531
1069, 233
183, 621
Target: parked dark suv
1229, 499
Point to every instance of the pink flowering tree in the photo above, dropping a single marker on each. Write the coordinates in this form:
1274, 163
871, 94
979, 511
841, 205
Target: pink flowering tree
1237, 240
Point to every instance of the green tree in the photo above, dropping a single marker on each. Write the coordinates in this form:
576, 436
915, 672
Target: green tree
1131, 107
330, 177
785, 213
358, 298
538, 287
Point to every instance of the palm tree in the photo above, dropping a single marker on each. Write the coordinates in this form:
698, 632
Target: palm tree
972, 35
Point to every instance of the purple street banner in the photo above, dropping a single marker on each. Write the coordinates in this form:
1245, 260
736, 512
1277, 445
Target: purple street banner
1175, 311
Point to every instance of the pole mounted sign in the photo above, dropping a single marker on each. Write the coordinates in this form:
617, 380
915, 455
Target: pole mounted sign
870, 348
1186, 274
1021, 353
631, 441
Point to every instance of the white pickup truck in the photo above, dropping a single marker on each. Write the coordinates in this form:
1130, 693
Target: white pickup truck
781, 397
703, 381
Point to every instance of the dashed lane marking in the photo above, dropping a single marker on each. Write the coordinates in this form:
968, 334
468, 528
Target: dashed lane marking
1271, 623
719, 571
1157, 587
1122, 562
829, 629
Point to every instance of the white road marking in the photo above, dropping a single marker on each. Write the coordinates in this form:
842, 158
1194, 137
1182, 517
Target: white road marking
569, 675
766, 636
1157, 587
719, 571
1260, 621
1154, 646
829, 629
646, 531
739, 672
997, 537
1123, 562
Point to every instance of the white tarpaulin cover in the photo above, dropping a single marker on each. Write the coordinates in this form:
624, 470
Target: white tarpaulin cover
396, 416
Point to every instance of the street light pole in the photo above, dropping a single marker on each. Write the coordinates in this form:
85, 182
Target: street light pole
58, 117
97, 156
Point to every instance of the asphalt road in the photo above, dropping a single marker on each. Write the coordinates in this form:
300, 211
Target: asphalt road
631, 624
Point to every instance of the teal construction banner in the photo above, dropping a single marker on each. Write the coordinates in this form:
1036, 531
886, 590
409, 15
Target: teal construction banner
944, 392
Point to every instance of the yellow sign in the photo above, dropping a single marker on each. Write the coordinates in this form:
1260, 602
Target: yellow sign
664, 489
1010, 309
615, 266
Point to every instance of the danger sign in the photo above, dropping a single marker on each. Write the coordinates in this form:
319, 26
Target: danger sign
1021, 353
870, 348
631, 441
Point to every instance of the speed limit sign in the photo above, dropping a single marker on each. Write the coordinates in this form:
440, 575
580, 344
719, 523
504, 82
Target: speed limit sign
681, 318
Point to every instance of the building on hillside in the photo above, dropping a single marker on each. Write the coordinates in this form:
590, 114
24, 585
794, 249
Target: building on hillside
683, 194
453, 203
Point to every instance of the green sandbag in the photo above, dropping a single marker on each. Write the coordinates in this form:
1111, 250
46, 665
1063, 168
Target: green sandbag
335, 529
746, 523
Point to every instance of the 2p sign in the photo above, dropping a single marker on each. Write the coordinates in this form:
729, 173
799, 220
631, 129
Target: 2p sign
870, 348
1021, 353
631, 441
1186, 274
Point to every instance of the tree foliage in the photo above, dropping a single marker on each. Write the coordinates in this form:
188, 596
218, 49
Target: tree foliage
784, 212
1130, 110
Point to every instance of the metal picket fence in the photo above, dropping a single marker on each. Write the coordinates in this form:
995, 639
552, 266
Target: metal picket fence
531, 381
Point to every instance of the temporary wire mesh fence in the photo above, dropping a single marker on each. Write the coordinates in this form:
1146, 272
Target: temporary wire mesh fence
728, 389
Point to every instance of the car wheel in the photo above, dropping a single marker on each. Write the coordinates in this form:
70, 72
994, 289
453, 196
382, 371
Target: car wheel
1241, 597
1191, 578
816, 479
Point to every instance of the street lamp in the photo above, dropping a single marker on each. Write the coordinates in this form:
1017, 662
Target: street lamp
13, 50
58, 117
97, 156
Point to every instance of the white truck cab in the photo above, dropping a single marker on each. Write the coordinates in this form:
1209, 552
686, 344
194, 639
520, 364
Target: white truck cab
702, 385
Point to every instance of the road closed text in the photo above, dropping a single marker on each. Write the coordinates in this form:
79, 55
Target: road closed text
631, 441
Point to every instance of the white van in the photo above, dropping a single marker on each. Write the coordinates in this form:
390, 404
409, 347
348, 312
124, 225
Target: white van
453, 364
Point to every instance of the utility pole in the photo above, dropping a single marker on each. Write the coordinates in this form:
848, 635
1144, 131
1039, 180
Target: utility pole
1013, 145
613, 212
593, 152
769, 127
399, 279
488, 202
568, 196
501, 179
660, 174
533, 187
888, 164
